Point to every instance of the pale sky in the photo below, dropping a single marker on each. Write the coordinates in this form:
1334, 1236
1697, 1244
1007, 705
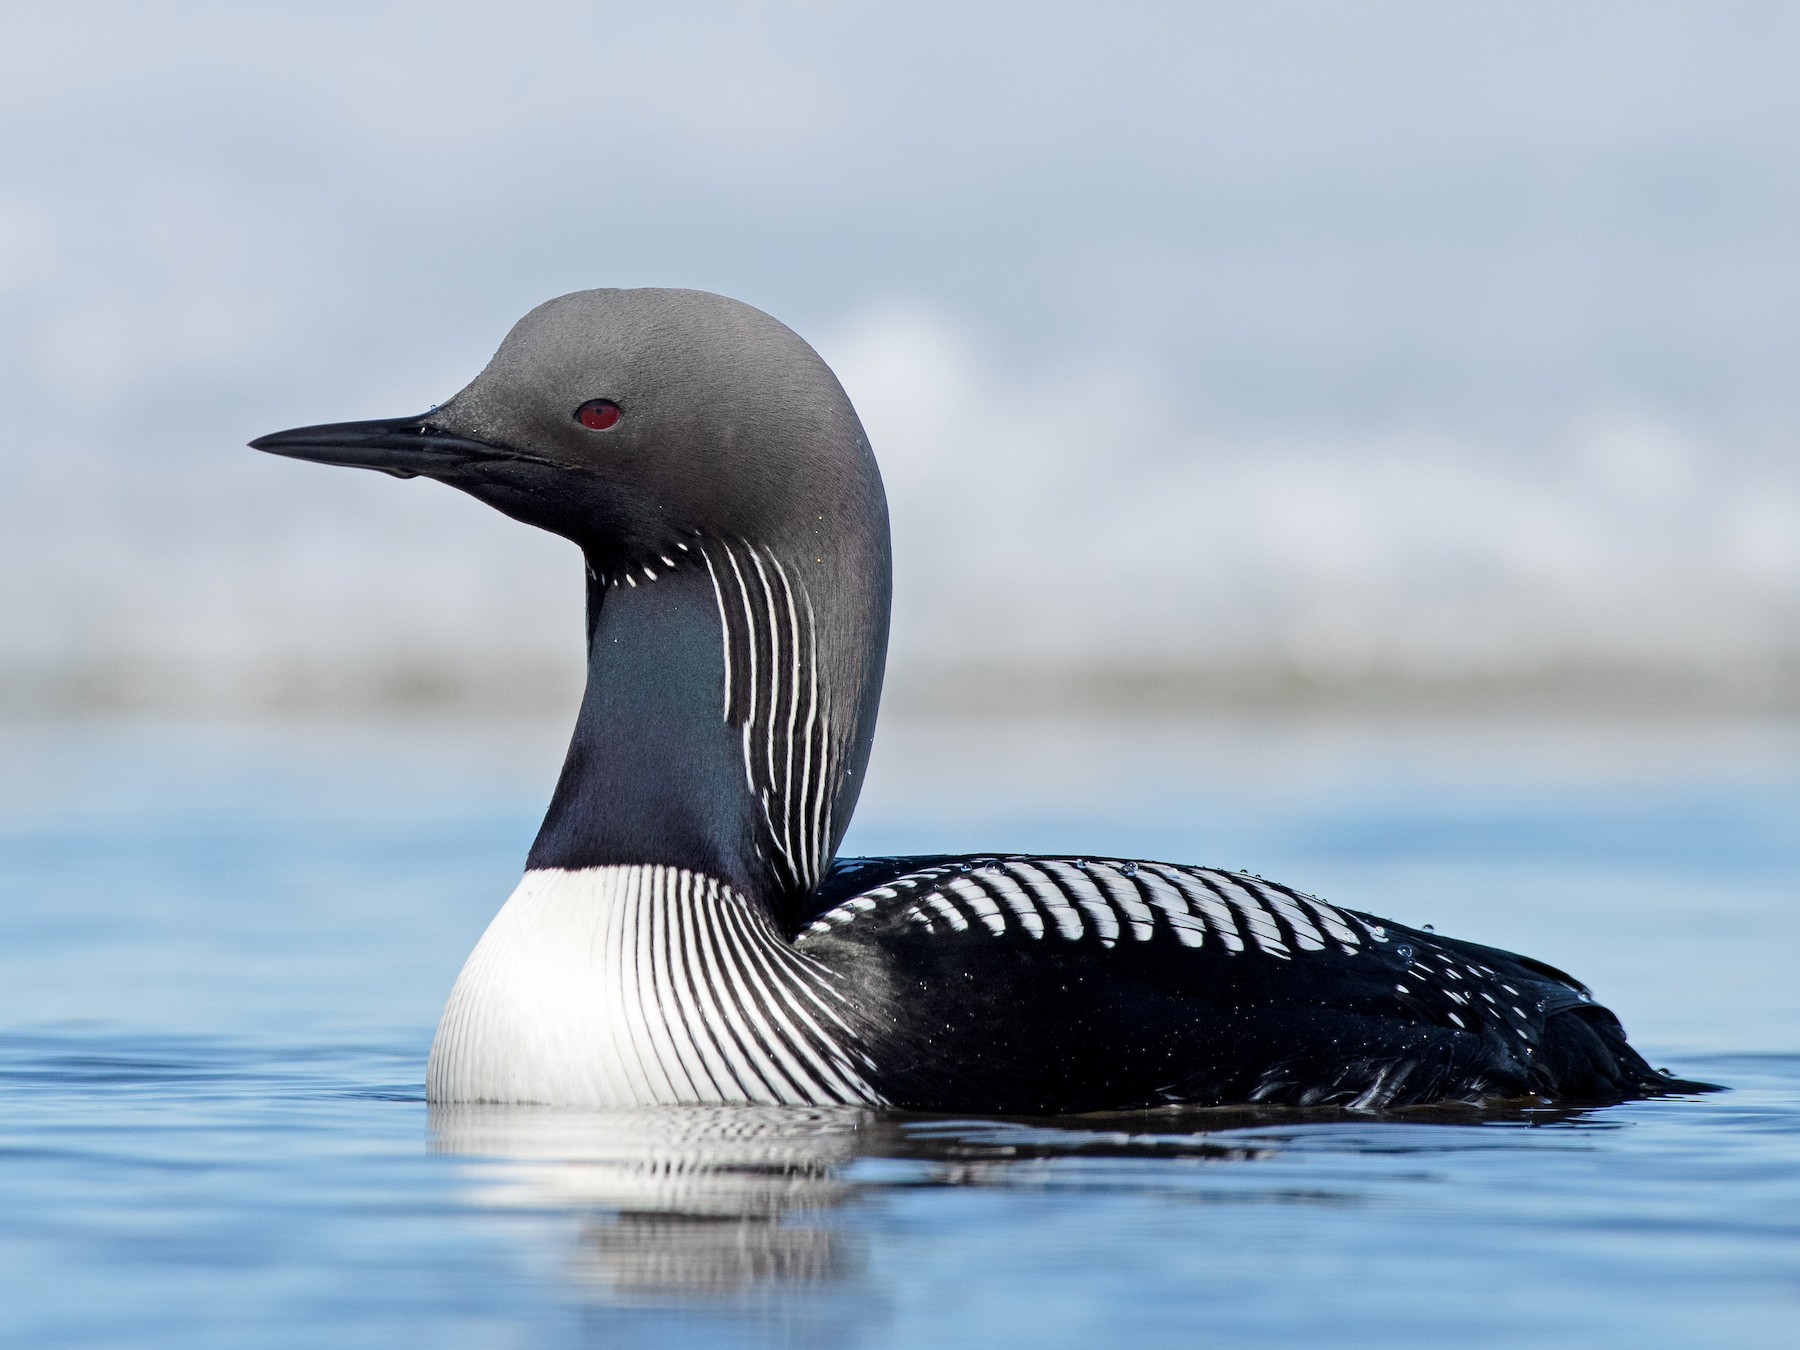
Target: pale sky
1464, 335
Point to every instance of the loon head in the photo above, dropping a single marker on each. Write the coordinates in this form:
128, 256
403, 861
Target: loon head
720, 486
630, 421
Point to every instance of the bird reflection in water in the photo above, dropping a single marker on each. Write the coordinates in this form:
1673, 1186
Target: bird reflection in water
697, 1200
689, 1201
676, 1200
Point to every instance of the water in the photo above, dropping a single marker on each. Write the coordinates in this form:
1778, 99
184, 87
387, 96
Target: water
222, 953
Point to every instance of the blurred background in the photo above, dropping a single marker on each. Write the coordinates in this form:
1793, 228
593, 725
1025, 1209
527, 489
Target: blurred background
1298, 353
1350, 442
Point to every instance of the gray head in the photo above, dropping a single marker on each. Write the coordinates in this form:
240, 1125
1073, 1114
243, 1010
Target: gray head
726, 422
659, 426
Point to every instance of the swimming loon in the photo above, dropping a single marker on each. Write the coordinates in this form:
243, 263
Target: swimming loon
684, 931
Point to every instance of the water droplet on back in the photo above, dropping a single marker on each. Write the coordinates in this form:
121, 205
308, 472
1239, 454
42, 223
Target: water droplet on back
1129, 869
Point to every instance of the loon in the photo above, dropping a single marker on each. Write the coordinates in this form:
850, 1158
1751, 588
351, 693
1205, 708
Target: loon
684, 931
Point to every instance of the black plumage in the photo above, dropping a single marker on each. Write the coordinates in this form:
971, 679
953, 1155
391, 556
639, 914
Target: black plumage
987, 1017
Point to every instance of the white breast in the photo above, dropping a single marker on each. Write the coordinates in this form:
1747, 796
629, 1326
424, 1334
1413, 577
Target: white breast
632, 986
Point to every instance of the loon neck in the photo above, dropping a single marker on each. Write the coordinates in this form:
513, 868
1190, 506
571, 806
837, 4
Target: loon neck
727, 719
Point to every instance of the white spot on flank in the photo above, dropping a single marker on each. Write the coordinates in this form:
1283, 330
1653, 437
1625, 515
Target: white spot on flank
1334, 924
1021, 904
1172, 904
1305, 934
948, 910
1050, 898
1123, 892
1259, 921
1081, 887
1204, 899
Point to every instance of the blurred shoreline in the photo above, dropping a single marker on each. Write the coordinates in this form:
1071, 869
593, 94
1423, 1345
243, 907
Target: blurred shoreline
966, 754
552, 689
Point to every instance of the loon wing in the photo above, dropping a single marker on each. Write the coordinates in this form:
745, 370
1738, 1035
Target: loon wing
848, 878
1002, 982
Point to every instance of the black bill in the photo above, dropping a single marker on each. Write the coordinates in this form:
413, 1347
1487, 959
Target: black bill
403, 446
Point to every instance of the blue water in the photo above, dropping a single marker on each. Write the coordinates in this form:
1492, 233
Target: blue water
222, 953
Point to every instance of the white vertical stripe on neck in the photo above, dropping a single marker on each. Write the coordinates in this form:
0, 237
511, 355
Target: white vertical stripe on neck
769, 629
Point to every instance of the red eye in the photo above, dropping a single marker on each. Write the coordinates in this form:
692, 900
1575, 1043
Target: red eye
597, 414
